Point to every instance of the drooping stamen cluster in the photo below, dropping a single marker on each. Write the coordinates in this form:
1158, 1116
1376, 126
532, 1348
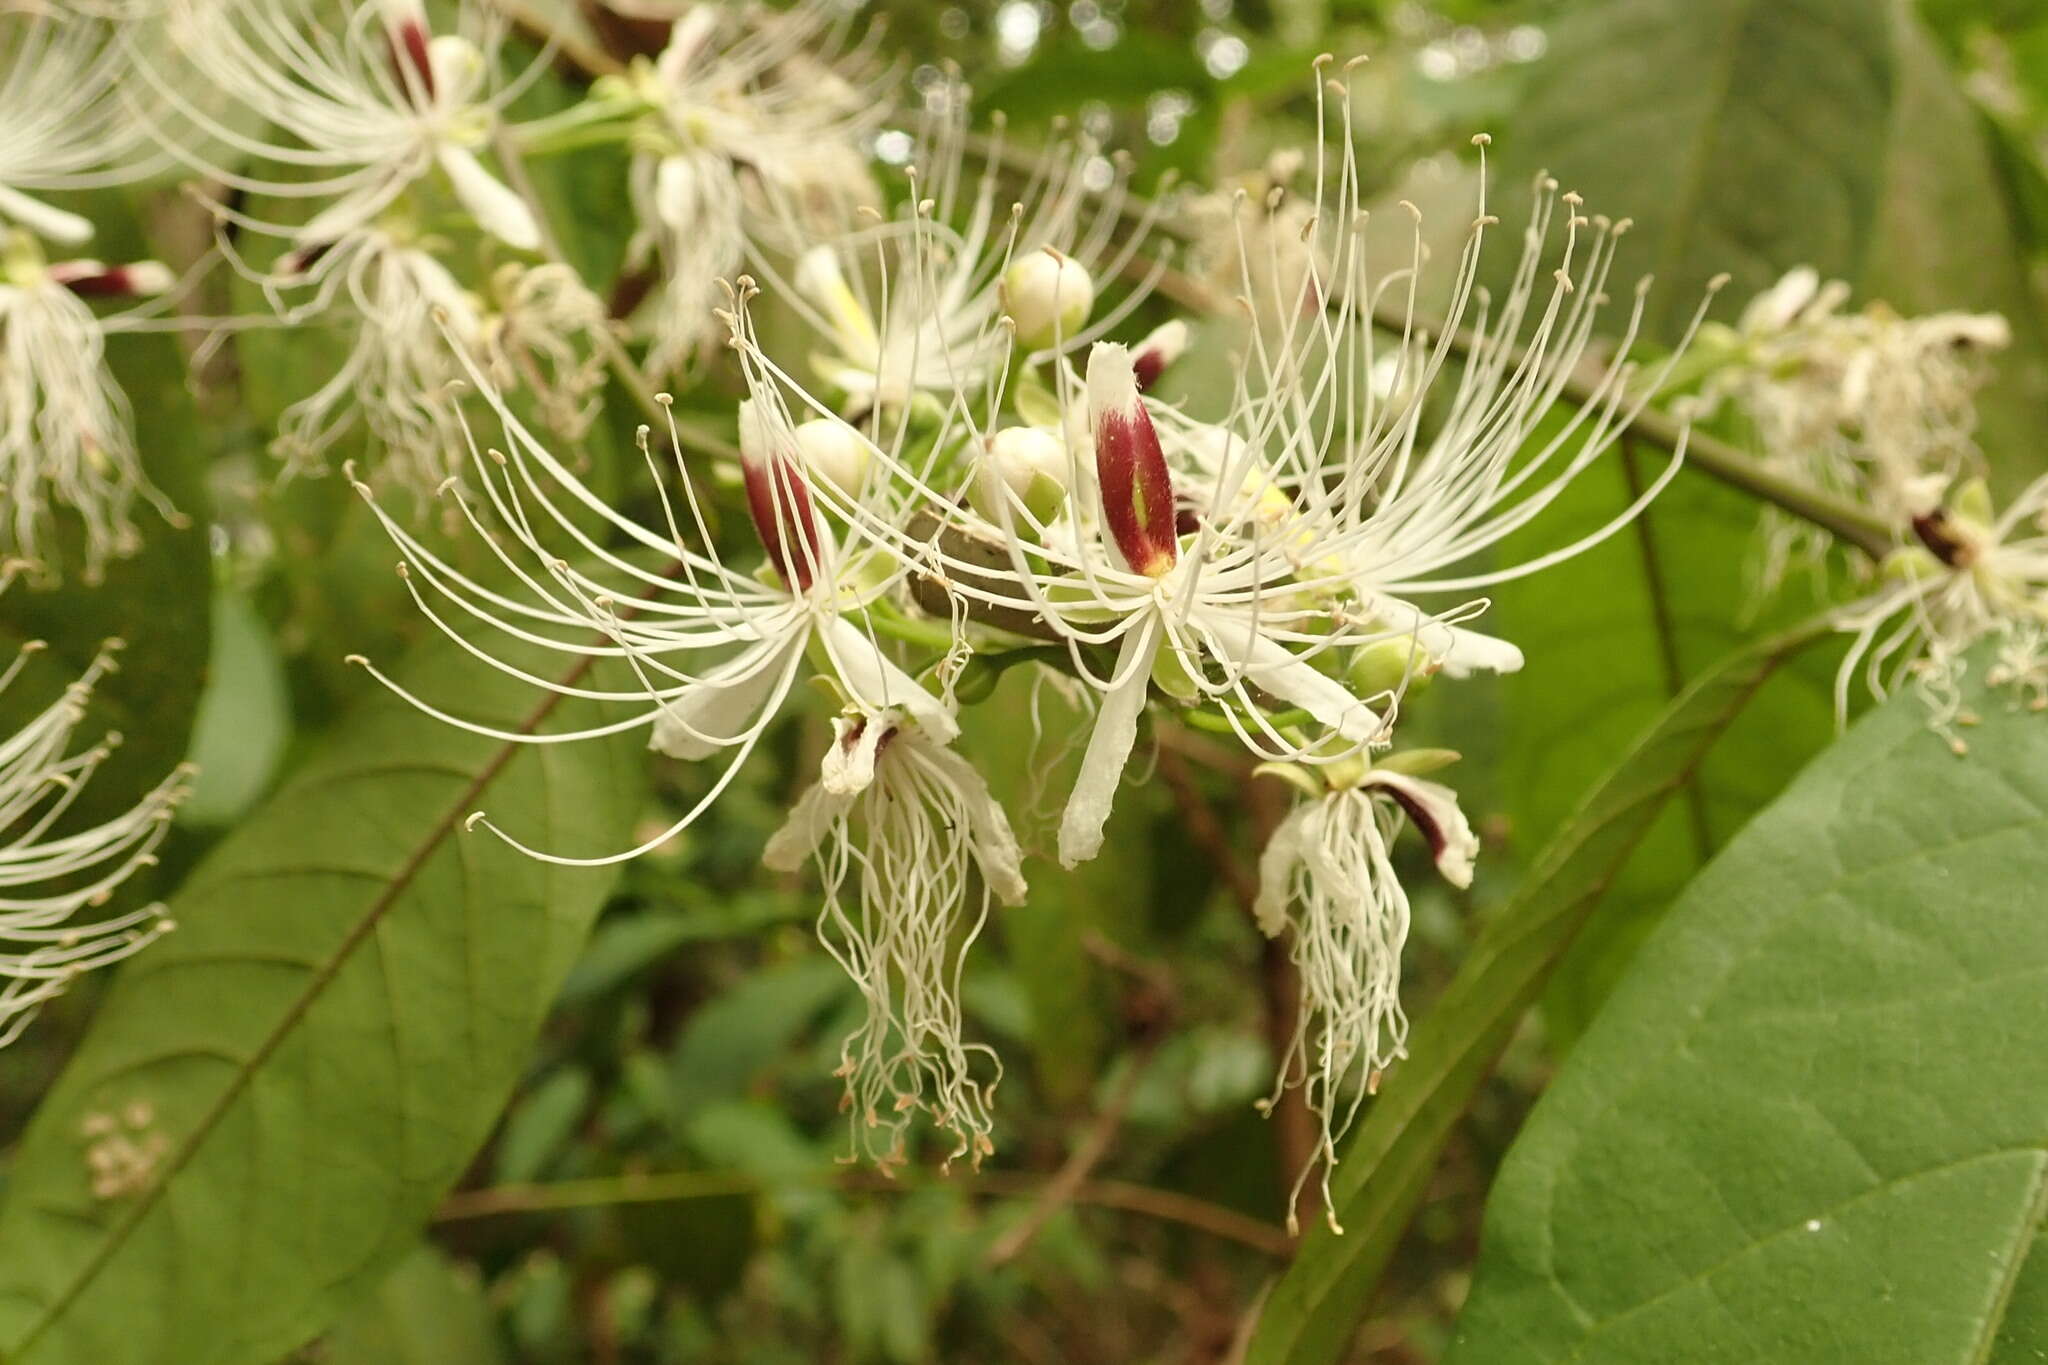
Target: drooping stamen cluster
65, 429
1327, 878
1974, 574
51, 870
910, 847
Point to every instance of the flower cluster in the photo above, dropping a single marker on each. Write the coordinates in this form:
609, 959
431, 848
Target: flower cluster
1880, 409
51, 870
957, 466
1864, 403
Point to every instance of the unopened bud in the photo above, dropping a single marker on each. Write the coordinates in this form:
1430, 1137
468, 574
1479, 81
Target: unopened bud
1137, 489
1048, 295
1025, 464
93, 279
405, 24
1161, 347
778, 499
1392, 666
834, 452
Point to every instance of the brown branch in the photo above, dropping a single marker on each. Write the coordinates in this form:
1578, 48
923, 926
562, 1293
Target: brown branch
671, 1187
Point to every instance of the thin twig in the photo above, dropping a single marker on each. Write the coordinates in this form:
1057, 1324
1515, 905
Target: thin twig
1074, 1172
676, 1186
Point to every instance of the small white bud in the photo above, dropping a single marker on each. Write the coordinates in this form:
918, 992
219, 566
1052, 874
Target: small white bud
1048, 295
834, 452
1024, 463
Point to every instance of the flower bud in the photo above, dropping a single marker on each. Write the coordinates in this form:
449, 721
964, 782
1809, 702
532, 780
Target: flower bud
95, 279
1024, 463
778, 499
1161, 347
1137, 490
1048, 296
834, 452
1385, 665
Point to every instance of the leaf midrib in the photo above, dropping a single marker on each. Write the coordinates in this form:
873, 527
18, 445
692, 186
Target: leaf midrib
316, 984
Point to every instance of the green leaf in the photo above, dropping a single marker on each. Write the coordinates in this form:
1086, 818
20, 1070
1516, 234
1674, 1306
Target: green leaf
428, 1311
1610, 638
1812, 1124
313, 1057
244, 718
1312, 1313
1747, 137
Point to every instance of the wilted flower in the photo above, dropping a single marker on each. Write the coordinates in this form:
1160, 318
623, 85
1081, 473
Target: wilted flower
409, 318
912, 826
1975, 575
64, 423
1327, 880
50, 871
1865, 404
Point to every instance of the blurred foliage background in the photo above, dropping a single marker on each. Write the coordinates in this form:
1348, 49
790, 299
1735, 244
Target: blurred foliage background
662, 1185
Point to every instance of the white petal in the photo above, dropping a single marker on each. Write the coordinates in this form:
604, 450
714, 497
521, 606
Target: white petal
988, 826
849, 765
1433, 809
55, 224
675, 193
716, 711
1109, 748
1276, 872
809, 819
875, 683
497, 209
350, 212
1271, 667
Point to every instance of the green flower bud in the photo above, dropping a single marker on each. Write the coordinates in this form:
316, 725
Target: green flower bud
1024, 464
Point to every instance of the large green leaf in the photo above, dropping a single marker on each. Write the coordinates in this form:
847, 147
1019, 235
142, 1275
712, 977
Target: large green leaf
1315, 1308
1812, 1123
1747, 137
313, 1057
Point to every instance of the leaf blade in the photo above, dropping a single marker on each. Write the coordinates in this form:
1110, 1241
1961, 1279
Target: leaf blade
310, 1078
1783, 1113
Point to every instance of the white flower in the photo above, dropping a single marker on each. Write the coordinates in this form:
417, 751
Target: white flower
65, 437
63, 125
757, 122
714, 653
1975, 575
365, 110
920, 303
1326, 878
51, 871
913, 827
